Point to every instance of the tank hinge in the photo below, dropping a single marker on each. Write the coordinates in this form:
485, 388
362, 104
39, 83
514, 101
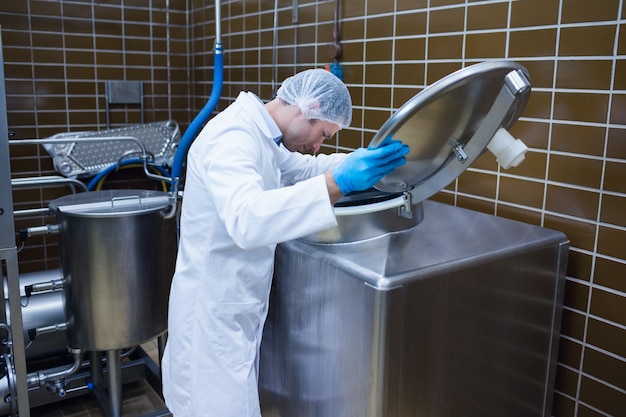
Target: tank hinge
460, 153
458, 150
405, 209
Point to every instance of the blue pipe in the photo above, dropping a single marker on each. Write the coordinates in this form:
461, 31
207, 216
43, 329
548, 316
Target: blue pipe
202, 117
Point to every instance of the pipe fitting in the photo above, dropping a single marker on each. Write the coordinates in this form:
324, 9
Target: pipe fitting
509, 152
49, 377
49, 229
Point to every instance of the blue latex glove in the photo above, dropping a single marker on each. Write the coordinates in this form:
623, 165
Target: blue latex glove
365, 167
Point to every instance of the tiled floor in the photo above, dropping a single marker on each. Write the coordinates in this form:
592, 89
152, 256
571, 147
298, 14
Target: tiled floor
138, 399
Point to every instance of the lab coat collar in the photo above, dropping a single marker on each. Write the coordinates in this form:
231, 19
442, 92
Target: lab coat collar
262, 118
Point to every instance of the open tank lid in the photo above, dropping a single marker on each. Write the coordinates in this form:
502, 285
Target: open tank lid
449, 124
111, 203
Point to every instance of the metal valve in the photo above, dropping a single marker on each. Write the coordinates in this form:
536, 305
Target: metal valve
57, 387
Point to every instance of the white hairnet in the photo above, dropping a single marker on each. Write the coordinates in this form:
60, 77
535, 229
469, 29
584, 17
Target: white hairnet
320, 95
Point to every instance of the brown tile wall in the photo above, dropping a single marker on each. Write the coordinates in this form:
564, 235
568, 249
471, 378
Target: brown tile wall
58, 53
57, 56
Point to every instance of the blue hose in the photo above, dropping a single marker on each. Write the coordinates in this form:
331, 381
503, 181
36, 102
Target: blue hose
202, 117
95, 180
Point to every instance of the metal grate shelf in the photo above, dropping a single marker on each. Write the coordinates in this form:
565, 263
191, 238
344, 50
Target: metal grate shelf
84, 159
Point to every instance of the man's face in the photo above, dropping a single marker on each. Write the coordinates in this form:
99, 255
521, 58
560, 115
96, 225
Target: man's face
306, 135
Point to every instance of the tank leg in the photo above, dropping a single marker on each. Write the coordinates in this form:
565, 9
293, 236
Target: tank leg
95, 368
114, 378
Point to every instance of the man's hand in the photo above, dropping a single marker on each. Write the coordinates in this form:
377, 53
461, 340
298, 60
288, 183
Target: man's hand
365, 167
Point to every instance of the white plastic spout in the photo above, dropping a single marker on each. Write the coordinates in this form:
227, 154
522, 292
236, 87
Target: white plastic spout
509, 152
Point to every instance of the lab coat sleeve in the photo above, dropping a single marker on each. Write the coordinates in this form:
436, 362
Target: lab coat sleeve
296, 167
243, 179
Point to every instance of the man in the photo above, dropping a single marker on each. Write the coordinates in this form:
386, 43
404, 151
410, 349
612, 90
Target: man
247, 188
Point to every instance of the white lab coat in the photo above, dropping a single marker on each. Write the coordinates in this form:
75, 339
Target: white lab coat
243, 195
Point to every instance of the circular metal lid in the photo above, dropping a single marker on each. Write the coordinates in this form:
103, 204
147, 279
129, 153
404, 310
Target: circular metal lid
448, 124
111, 203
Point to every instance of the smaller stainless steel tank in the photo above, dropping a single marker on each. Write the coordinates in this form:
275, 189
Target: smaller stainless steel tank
117, 252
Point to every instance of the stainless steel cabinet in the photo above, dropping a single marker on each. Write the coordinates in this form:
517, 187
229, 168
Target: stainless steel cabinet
458, 316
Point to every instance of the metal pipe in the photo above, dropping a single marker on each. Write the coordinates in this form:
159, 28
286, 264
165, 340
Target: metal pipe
52, 328
336, 46
52, 285
49, 229
175, 194
46, 181
49, 376
294, 11
30, 212
216, 90
275, 48
218, 23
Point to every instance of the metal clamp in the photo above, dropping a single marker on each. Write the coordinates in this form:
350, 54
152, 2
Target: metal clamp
405, 210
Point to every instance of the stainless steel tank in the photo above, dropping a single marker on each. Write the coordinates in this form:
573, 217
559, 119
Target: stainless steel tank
458, 316
117, 252
419, 308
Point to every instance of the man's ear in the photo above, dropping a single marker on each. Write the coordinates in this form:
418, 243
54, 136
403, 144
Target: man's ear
310, 108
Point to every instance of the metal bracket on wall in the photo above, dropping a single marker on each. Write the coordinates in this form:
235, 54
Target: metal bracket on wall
123, 92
